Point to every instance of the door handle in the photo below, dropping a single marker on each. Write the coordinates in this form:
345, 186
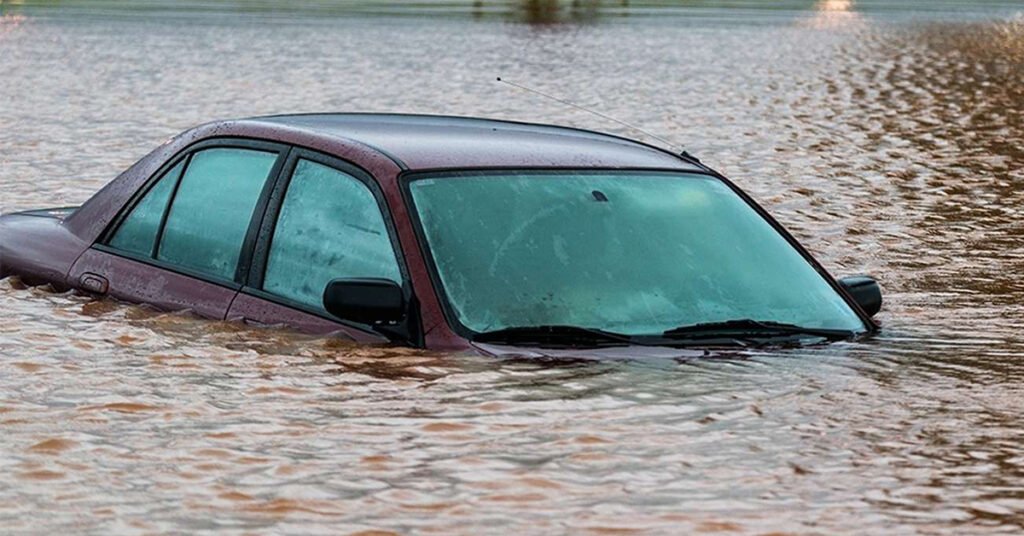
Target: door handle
94, 283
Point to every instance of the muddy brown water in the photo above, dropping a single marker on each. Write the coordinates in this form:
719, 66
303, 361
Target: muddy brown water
889, 137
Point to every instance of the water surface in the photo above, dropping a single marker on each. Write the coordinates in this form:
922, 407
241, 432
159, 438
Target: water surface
888, 136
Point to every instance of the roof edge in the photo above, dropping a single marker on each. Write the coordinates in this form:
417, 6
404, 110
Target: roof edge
686, 157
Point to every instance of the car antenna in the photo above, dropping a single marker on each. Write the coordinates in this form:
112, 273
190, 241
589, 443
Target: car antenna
672, 145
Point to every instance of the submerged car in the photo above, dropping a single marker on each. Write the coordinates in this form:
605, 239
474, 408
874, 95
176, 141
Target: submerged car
444, 233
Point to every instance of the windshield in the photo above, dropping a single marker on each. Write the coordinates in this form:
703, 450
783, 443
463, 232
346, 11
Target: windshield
633, 253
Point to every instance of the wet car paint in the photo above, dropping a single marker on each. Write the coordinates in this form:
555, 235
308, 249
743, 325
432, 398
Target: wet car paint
60, 247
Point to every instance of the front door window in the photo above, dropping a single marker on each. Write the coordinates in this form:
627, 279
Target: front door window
330, 226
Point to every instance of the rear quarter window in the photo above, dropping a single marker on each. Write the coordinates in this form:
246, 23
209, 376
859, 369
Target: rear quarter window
137, 234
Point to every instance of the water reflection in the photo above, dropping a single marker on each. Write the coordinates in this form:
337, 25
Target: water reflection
539, 12
10, 22
834, 14
952, 122
552, 11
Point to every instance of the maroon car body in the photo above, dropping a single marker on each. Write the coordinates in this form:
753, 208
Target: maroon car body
64, 247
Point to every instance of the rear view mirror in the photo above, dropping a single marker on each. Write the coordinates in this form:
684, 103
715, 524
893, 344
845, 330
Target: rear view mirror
865, 291
365, 300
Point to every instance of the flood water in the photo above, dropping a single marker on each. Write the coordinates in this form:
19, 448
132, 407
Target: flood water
888, 136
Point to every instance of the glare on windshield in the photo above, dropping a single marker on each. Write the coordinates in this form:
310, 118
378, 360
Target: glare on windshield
634, 253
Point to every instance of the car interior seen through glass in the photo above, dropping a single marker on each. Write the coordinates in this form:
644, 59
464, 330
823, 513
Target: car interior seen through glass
630, 252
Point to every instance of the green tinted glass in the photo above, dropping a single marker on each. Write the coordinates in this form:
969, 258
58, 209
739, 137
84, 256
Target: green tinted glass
633, 253
330, 227
210, 213
137, 233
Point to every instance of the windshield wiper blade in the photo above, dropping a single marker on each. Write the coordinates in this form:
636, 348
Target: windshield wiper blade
750, 327
554, 334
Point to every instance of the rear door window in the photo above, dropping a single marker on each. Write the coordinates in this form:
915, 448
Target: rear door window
212, 208
330, 226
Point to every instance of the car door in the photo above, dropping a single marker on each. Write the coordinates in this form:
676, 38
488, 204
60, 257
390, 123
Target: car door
185, 240
325, 220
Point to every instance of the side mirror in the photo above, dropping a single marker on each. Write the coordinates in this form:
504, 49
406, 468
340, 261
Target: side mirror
865, 291
365, 300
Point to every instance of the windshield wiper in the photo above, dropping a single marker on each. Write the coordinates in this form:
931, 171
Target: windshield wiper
747, 327
555, 334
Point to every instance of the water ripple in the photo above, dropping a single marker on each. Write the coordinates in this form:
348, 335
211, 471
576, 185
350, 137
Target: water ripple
890, 145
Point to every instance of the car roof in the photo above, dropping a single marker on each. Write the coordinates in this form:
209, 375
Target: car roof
418, 142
